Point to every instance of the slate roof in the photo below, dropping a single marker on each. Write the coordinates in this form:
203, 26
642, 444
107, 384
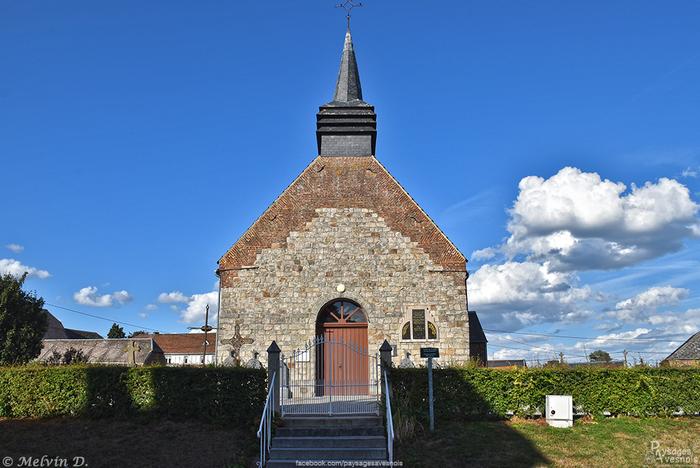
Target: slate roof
55, 327
348, 88
56, 330
184, 343
110, 351
73, 334
688, 351
476, 333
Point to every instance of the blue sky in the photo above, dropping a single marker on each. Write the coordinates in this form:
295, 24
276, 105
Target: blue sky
138, 140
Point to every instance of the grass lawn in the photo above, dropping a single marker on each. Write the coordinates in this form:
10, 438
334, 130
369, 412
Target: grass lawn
610, 442
132, 443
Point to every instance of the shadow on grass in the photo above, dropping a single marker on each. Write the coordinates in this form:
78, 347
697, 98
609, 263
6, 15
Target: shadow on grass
467, 431
216, 400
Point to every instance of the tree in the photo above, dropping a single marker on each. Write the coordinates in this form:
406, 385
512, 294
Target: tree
116, 332
600, 356
70, 356
74, 356
22, 321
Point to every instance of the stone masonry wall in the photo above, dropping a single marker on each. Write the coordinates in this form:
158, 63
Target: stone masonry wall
279, 296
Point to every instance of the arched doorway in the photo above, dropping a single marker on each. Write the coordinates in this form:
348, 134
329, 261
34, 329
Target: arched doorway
343, 362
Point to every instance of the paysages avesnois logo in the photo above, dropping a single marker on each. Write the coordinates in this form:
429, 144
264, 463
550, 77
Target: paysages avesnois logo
659, 454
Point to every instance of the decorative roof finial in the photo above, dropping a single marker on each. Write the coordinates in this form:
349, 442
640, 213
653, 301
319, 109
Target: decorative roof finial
348, 5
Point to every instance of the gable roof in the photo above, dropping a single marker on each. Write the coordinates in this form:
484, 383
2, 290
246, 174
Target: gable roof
690, 350
476, 333
184, 343
56, 330
373, 188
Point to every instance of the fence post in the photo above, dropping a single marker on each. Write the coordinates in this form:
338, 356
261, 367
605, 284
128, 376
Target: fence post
385, 360
273, 368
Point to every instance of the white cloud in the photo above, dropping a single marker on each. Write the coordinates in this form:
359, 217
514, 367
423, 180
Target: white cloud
151, 307
578, 221
516, 294
195, 305
641, 306
484, 254
689, 172
88, 296
542, 353
14, 248
612, 339
173, 297
10, 266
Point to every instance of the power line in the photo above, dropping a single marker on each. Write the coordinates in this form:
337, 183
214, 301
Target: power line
141, 327
587, 338
531, 349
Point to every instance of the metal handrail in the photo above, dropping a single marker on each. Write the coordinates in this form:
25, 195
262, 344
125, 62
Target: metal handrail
265, 428
389, 421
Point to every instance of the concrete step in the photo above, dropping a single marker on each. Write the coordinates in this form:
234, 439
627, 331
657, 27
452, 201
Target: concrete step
330, 442
328, 453
331, 421
330, 431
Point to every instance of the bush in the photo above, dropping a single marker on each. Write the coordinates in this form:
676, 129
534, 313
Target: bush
471, 392
212, 394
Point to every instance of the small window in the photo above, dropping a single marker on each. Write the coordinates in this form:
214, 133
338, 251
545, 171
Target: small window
185, 359
432, 331
419, 327
406, 331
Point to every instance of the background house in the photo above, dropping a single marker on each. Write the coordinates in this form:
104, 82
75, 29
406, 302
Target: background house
56, 330
687, 354
185, 349
477, 339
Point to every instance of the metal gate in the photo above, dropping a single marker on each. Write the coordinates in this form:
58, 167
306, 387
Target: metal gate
330, 376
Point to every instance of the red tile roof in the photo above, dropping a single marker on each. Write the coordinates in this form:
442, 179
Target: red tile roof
184, 343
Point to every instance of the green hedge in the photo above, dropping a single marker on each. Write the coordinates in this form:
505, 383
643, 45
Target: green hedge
477, 392
214, 394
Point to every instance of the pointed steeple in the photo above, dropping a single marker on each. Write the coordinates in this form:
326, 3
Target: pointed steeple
347, 126
348, 87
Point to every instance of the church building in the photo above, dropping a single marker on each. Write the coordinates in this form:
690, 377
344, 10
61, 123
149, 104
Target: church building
345, 252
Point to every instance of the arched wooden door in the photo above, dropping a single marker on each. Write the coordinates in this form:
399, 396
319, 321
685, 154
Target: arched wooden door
344, 365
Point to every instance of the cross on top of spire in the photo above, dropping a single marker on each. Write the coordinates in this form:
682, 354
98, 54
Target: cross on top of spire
348, 6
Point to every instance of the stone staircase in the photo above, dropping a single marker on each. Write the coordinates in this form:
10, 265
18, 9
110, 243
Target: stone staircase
306, 438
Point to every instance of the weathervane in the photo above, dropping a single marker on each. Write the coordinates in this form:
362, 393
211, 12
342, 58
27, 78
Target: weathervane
348, 5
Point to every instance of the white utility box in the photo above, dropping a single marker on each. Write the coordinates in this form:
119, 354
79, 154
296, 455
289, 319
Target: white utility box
560, 410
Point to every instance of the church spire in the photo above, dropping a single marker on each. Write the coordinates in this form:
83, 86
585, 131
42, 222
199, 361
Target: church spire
347, 126
348, 87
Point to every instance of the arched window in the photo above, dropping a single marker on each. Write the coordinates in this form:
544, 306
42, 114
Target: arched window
420, 326
342, 312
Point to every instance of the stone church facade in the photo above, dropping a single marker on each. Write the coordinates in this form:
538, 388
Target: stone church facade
344, 231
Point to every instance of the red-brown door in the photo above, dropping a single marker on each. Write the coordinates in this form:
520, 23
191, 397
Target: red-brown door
346, 363
345, 366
